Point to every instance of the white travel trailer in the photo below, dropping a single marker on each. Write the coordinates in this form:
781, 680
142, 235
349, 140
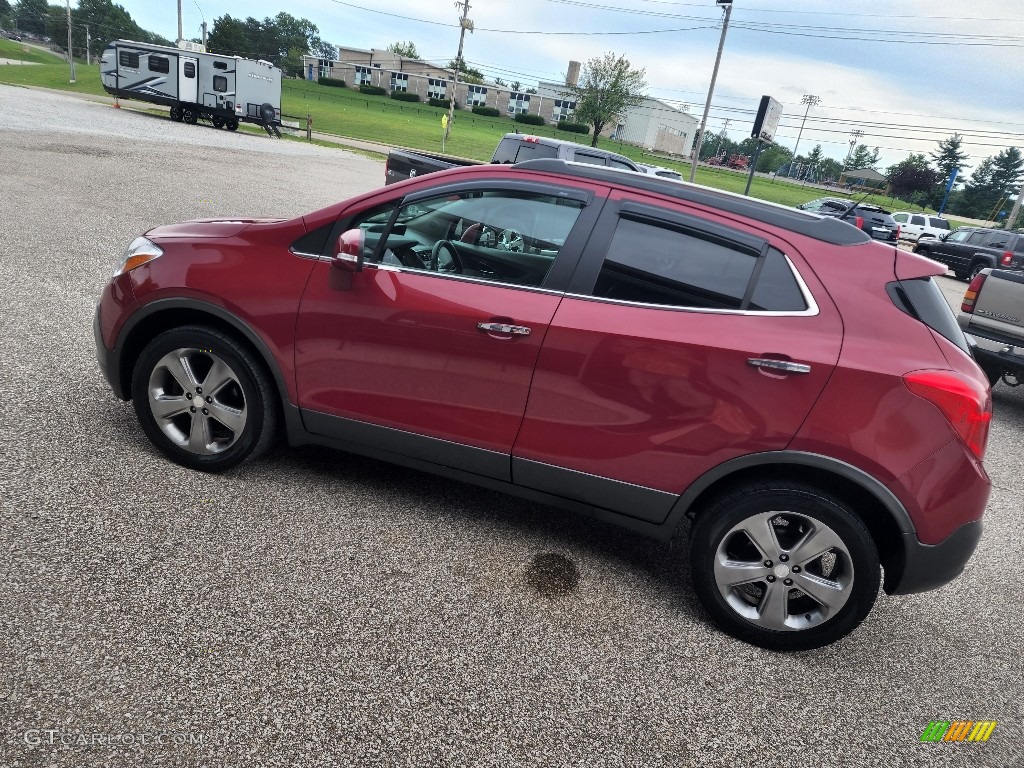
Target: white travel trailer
195, 84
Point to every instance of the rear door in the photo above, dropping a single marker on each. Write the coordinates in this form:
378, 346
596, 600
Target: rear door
188, 80
683, 342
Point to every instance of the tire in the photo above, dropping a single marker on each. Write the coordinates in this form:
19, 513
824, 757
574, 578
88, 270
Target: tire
188, 115
218, 122
975, 269
232, 124
213, 430
740, 583
175, 113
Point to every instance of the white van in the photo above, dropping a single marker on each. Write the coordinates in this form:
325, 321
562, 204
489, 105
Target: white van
914, 226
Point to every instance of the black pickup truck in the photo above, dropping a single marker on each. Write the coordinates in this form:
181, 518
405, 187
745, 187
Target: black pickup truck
513, 148
992, 314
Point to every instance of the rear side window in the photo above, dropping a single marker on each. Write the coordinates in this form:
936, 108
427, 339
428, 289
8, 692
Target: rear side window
514, 150
657, 265
1019, 247
938, 223
997, 240
128, 59
583, 157
776, 289
619, 164
923, 299
159, 64
917, 220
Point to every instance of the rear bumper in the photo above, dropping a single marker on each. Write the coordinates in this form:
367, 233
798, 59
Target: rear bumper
929, 566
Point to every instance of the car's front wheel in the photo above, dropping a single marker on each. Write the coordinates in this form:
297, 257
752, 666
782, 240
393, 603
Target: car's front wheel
203, 399
783, 566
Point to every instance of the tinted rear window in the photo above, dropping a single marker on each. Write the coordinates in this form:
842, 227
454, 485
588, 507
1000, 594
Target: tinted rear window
923, 299
777, 289
514, 150
938, 223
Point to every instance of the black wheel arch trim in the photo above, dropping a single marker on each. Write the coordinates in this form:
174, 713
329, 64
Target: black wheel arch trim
115, 357
895, 508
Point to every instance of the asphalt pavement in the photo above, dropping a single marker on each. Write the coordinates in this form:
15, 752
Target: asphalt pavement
315, 608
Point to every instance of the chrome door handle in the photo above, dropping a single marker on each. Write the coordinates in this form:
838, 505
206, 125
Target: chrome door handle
779, 365
515, 330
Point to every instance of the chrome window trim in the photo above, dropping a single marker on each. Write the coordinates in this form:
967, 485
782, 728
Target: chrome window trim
811, 311
461, 278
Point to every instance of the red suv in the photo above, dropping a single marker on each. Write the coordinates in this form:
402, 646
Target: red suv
631, 348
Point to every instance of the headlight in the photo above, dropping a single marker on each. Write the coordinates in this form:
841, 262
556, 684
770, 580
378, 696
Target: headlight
141, 251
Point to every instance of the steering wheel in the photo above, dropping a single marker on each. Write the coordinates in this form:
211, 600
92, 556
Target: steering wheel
480, 234
511, 240
449, 262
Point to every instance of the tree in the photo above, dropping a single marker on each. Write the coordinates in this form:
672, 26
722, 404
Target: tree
5, 9
607, 88
282, 40
30, 16
531, 90
516, 85
498, 81
911, 177
949, 155
407, 49
467, 74
324, 50
1007, 169
981, 195
863, 157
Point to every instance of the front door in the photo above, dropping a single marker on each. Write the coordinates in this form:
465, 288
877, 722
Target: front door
429, 350
188, 80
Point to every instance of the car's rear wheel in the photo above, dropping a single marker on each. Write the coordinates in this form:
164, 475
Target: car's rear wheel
203, 399
783, 566
218, 122
975, 270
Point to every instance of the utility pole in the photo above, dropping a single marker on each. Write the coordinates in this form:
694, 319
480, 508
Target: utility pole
727, 4
853, 142
721, 136
71, 56
204, 34
1010, 222
179, 23
464, 24
810, 101
88, 45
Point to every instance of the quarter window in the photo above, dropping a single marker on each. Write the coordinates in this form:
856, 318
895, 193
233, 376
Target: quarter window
159, 64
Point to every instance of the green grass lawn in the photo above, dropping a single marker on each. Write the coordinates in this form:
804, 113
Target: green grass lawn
348, 113
10, 49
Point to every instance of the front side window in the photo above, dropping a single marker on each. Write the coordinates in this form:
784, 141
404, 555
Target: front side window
649, 263
900, 217
976, 237
959, 236
498, 235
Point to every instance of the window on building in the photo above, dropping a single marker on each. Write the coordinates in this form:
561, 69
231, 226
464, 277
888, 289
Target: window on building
159, 64
437, 89
476, 96
127, 59
518, 103
326, 68
563, 110
362, 76
220, 83
399, 81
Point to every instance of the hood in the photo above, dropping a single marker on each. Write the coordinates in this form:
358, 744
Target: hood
207, 228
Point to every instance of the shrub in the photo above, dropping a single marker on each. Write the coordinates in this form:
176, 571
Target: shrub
526, 117
332, 81
444, 103
372, 90
486, 111
404, 96
565, 125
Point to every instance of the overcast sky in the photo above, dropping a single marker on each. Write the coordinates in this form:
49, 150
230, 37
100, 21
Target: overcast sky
905, 72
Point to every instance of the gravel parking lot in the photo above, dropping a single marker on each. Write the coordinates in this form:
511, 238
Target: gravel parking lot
319, 609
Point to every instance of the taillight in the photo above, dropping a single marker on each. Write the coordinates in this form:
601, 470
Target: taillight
1007, 258
897, 231
966, 405
971, 294
859, 222
531, 139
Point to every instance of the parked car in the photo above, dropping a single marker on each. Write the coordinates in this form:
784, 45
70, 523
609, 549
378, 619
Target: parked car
873, 220
623, 346
914, 226
968, 250
992, 314
657, 170
513, 148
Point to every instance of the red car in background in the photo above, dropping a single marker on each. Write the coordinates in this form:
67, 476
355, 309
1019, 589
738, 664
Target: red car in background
636, 349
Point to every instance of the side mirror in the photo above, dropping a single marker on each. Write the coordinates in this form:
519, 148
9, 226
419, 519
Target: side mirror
348, 251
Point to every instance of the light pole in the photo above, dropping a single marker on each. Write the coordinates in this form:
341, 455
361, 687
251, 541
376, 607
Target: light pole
464, 24
810, 101
853, 142
727, 5
71, 56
